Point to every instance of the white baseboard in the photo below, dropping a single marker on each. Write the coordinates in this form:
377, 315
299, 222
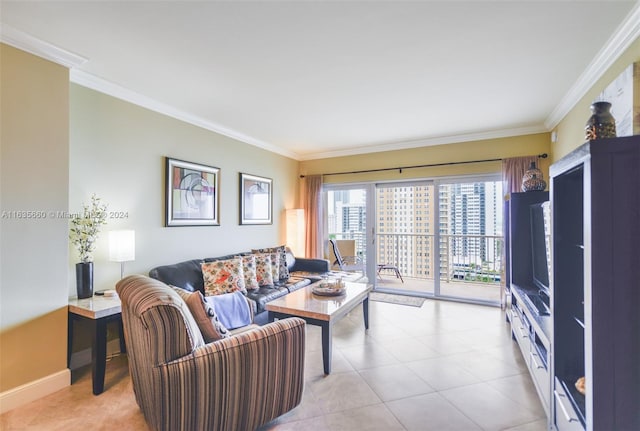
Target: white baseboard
32, 391
37, 389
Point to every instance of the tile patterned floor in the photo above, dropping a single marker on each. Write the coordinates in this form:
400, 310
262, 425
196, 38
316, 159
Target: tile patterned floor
444, 366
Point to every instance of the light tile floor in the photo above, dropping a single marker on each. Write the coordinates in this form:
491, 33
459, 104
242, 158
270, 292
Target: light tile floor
444, 366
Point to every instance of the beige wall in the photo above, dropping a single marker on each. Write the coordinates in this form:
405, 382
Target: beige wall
466, 151
571, 128
60, 143
117, 151
34, 160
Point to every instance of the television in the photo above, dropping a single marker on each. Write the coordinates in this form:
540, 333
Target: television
541, 246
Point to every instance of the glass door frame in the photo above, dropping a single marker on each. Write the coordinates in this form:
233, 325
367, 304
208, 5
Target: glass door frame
369, 230
435, 234
478, 178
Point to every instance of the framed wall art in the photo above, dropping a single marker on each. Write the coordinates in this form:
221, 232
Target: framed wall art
624, 95
256, 199
193, 194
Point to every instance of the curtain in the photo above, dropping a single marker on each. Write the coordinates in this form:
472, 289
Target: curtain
513, 170
312, 200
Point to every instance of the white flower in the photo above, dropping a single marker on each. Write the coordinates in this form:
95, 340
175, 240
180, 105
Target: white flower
86, 227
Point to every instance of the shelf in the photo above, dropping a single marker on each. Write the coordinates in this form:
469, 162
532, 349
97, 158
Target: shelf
576, 398
596, 251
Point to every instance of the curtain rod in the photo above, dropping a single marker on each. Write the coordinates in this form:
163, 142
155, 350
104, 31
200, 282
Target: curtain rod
400, 168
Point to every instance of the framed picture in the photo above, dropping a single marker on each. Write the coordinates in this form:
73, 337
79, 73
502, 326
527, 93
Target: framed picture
193, 194
256, 199
624, 95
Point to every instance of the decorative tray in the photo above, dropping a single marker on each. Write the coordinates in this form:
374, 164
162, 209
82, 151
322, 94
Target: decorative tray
327, 289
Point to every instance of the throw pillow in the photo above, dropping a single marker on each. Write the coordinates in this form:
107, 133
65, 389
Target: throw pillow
249, 269
281, 251
275, 266
264, 274
223, 276
204, 315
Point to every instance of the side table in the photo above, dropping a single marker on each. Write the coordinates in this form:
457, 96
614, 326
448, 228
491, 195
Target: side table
97, 311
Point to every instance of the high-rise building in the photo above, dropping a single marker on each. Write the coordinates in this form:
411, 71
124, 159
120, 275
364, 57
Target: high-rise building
405, 228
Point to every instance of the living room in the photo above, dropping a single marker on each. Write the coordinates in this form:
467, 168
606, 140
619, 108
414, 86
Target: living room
78, 141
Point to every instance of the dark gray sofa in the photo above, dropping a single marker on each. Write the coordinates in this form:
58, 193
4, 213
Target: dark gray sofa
188, 275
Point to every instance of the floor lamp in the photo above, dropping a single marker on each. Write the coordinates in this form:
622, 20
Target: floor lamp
295, 231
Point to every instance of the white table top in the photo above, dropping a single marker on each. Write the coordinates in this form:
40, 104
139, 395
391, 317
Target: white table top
95, 307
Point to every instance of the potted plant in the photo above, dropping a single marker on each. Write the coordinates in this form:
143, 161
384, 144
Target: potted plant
85, 227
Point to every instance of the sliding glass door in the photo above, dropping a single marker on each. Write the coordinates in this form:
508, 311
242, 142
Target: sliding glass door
440, 238
471, 241
405, 237
347, 218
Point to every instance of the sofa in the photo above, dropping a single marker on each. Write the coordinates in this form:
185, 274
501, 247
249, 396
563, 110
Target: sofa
181, 381
302, 272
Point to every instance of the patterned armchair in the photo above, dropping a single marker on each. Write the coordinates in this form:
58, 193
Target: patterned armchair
181, 383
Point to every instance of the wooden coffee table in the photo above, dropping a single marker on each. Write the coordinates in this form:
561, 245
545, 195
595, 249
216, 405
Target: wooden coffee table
321, 311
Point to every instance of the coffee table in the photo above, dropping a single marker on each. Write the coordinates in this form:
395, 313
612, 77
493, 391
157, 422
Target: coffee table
321, 311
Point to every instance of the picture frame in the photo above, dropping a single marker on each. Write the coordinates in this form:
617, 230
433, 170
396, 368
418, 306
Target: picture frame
624, 95
256, 200
192, 194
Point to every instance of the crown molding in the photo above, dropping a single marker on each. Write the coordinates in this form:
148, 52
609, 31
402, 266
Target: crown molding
626, 33
26, 42
428, 142
95, 83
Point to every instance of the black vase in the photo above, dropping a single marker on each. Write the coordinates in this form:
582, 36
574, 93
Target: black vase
601, 124
84, 279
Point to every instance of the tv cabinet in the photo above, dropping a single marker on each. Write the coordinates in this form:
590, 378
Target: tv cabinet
530, 329
531, 332
595, 295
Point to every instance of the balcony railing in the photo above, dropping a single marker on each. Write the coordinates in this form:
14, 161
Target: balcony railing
473, 258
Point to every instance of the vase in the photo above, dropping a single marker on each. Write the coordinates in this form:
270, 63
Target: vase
84, 279
533, 180
601, 124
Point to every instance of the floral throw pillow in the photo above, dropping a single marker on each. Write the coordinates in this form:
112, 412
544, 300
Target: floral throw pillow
223, 276
249, 269
264, 274
204, 315
281, 252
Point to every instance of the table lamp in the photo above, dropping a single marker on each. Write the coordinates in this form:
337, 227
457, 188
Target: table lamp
122, 247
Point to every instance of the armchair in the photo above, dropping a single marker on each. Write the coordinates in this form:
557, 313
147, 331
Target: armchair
181, 383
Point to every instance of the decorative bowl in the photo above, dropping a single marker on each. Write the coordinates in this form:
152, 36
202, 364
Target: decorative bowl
328, 289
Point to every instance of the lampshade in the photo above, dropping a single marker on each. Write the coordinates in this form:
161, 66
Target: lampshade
296, 231
122, 245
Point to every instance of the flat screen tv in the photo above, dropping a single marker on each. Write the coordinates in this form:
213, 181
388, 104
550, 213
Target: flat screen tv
541, 245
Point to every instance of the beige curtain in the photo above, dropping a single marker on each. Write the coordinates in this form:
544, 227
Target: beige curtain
512, 171
312, 203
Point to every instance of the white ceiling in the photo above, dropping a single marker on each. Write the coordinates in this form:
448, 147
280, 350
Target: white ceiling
311, 79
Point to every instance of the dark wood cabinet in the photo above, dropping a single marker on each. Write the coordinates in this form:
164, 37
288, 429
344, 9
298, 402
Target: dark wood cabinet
595, 286
530, 328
